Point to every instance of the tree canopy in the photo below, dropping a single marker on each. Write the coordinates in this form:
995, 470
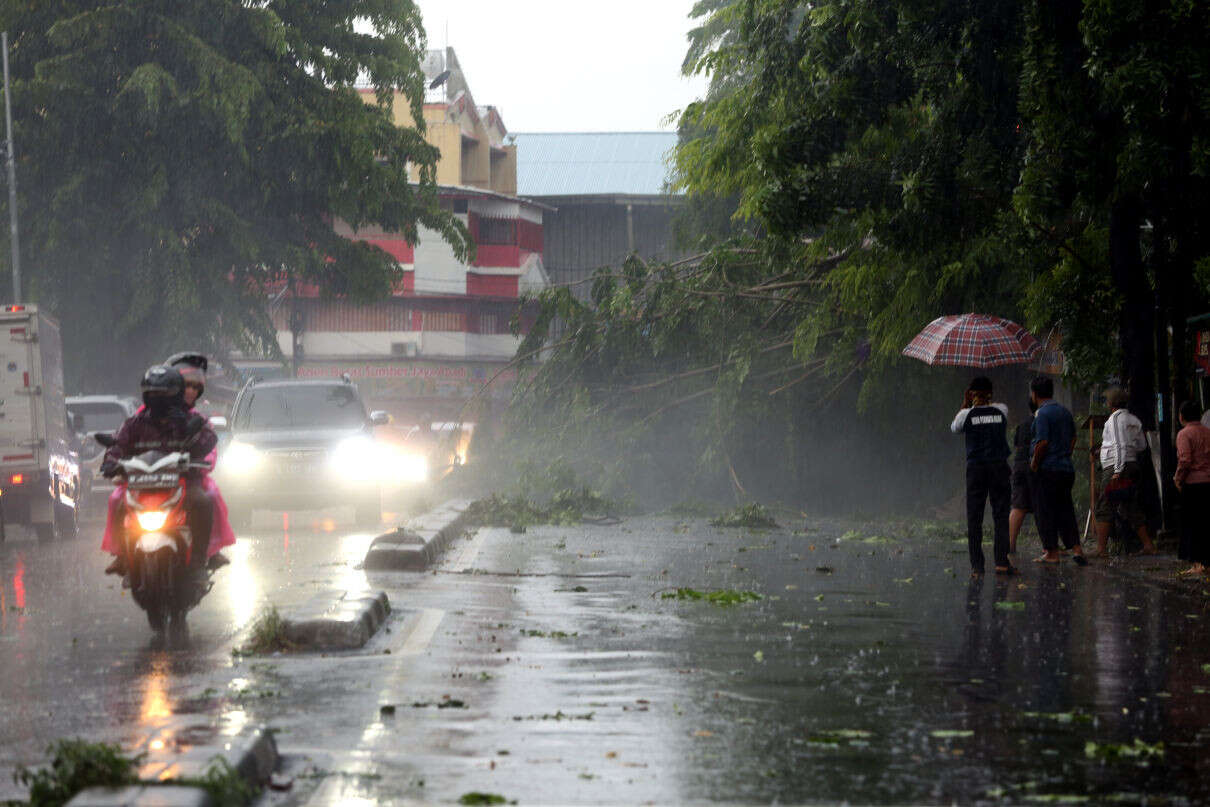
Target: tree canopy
177, 159
896, 160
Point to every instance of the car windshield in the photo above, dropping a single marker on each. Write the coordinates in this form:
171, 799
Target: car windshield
309, 407
98, 417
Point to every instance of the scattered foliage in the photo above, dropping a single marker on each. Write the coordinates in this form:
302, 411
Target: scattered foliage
720, 597
567, 507
754, 515
475, 797
77, 765
268, 634
1112, 752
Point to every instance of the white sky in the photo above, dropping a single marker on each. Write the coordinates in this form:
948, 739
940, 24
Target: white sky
570, 65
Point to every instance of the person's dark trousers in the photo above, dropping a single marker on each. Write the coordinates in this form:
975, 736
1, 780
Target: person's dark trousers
1195, 523
199, 510
1055, 515
984, 481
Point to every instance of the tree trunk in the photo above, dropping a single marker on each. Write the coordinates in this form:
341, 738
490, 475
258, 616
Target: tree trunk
1137, 322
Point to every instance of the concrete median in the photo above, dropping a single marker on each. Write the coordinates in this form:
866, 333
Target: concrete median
415, 547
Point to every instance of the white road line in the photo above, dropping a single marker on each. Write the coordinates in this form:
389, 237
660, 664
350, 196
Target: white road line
466, 557
415, 642
422, 633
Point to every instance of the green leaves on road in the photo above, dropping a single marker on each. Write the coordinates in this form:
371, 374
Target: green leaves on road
1112, 752
721, 597
568, 506
754, 515
268, 635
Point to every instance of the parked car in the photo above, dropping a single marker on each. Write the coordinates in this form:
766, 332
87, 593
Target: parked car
91, 414
305, 444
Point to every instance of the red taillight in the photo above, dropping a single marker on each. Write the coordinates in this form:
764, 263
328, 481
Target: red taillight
14, 308
17, 479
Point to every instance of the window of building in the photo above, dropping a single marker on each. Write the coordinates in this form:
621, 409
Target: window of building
443, 321
497, 231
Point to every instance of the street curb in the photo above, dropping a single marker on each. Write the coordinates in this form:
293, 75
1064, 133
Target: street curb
1189, 587
142, 796
186, 750
415, 547
337, 620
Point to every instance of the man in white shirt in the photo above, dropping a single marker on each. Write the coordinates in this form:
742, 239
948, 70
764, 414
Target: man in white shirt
1122, 442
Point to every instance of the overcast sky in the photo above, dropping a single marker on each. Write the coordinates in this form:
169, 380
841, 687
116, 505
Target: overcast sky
569, 65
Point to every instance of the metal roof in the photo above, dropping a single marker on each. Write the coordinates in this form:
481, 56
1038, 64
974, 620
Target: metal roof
586, 163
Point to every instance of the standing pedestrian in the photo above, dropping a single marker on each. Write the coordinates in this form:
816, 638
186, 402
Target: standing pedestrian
985, 425
1192, 480
1054, 438
1122, 442
1022, 496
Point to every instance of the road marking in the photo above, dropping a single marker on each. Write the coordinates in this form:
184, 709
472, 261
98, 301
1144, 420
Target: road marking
466, 557
422, 633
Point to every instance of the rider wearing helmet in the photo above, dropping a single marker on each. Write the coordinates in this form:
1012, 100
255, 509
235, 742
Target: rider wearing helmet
163, 424
192, 367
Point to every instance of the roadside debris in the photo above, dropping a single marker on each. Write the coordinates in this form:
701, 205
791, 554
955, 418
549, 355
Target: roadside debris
754, 515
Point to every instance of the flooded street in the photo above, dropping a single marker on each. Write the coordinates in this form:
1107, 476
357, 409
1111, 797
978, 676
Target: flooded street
561, 665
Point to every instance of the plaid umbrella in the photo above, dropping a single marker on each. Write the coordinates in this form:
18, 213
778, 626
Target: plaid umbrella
973, 340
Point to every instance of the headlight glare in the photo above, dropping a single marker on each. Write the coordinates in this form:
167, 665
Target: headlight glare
412, 468
356, 458
152, 520
241, 458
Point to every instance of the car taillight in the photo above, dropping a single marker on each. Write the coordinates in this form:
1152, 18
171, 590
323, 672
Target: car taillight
16, 479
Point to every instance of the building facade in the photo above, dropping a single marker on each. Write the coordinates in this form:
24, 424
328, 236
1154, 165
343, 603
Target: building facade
446, 331
608, 198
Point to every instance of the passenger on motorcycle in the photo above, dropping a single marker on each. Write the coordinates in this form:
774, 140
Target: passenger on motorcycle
193, 367
163, 425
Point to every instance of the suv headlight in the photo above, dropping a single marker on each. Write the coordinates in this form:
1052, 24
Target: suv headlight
241, 458
356, 459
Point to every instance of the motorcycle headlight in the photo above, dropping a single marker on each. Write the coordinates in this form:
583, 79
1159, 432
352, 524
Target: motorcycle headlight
152, 520
241, 458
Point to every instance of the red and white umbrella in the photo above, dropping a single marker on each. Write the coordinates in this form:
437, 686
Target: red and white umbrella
973, 340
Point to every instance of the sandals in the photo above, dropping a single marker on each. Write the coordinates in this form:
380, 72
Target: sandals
1044, 559
1006, 571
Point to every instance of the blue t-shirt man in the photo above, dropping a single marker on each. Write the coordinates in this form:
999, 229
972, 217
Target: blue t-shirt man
1054, 424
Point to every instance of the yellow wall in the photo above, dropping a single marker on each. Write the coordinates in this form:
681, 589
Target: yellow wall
463, 161
504, 171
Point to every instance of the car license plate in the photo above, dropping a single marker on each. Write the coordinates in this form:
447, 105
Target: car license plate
296, 469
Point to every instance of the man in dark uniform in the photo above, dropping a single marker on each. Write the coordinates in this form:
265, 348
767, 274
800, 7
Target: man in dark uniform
985, 425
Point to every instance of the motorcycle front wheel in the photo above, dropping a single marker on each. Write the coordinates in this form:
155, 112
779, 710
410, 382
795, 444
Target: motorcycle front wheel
157, 588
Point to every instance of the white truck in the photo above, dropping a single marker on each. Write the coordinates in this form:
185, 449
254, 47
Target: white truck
39, 471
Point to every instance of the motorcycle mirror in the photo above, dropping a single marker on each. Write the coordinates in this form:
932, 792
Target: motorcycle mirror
105, 438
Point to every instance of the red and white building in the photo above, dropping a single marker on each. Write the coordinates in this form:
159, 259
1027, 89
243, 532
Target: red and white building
446, 331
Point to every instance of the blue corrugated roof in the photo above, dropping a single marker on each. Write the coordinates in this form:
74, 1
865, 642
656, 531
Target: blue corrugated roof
575, 163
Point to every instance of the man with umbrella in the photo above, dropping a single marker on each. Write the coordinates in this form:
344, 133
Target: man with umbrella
980, 340
988, 476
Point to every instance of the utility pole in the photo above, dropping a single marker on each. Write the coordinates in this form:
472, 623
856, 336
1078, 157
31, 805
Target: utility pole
12, 175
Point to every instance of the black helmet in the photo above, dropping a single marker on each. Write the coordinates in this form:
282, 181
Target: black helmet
192, 367
163, 388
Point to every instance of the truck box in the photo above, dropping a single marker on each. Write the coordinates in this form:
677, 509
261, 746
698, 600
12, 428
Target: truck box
39, 473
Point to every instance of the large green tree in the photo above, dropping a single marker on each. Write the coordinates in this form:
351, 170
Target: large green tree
177, 158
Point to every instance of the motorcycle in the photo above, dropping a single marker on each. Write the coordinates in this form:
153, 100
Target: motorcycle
158, 537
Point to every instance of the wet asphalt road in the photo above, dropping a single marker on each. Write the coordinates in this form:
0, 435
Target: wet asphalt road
872, 669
